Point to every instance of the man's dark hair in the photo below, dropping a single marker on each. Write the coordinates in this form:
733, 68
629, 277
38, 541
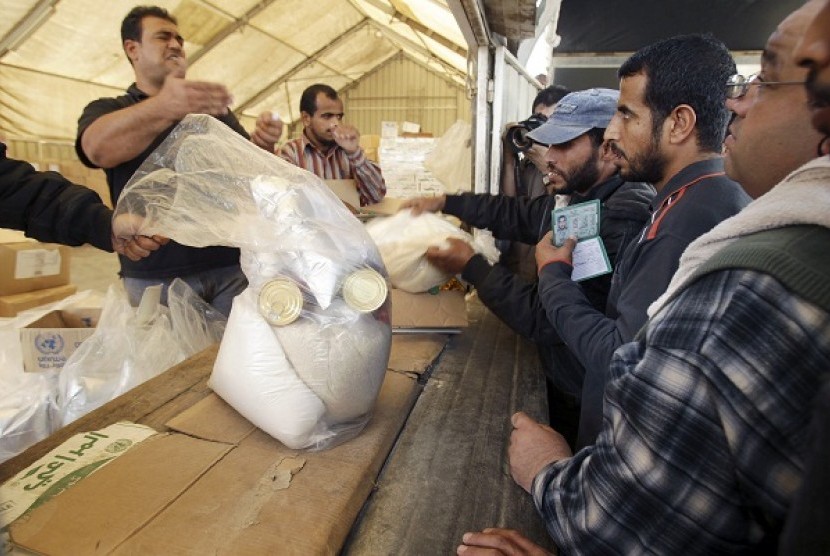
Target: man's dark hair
131, 26
308, 102
549, 96
686, 69
597, 135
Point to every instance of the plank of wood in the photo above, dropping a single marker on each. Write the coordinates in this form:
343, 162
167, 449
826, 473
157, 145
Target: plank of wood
448, 473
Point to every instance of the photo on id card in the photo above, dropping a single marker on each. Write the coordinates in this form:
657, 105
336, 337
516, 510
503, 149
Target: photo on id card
582, 222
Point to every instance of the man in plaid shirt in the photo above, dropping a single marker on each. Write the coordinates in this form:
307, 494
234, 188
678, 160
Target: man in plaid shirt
706, 412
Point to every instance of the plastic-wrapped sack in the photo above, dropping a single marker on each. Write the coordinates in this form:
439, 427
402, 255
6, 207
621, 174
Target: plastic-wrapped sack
307, 343
450, 161
28, 408
403, 240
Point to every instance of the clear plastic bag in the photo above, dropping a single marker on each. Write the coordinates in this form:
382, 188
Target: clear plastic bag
132, 345
28, 406
196, 323
26, 412
129, 346
450, 161
307, 343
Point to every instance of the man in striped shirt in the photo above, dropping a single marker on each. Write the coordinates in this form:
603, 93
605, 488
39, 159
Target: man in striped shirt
331, 149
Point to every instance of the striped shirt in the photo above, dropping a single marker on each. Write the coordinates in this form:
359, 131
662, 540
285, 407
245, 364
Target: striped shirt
337, 164
704, 430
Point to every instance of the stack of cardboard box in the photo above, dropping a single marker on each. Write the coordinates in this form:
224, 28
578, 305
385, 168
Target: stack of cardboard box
32, 274
369, 144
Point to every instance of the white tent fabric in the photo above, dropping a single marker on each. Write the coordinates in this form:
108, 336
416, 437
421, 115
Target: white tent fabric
58, 55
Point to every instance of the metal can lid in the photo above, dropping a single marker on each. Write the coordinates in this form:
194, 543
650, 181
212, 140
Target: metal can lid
280, 301
364, 290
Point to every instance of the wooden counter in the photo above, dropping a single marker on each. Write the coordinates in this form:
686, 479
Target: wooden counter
445, 474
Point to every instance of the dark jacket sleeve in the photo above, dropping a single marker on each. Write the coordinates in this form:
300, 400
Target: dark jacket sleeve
592, 335
513, 218
48, 207
511, 298
515, 300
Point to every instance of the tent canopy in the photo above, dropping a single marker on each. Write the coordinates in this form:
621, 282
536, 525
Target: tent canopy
58, 55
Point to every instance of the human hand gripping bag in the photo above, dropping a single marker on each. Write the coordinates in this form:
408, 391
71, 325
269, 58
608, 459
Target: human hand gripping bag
403, 240
306, 345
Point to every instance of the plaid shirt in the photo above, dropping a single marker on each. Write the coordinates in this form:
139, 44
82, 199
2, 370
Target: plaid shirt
704, 426
337, 164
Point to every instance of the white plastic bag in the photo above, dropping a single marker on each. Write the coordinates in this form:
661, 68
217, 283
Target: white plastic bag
129, 346
403, 240
28, 406
450, 161
306, 345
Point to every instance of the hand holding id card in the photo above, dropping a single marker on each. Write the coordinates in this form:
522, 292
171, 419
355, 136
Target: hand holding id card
582, 222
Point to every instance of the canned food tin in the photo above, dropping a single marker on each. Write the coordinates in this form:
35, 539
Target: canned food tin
280, 301
364, 290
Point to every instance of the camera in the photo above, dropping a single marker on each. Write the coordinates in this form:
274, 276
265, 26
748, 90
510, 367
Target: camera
517, 133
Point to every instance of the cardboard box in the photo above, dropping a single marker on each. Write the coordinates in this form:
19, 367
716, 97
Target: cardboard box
386, 207
65, 465
10, 305
12, 236
445, 311
370, 144
346, 191
223, 487
49, 341
28, 266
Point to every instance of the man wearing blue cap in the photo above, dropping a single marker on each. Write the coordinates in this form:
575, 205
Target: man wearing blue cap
577, 172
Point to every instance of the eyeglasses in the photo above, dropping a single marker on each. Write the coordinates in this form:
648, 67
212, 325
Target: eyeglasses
738, 85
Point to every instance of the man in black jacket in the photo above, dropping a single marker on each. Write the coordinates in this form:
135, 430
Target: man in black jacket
48, 207
577, 172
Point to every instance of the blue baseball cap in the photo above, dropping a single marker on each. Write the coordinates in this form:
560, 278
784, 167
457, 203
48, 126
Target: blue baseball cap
575, 114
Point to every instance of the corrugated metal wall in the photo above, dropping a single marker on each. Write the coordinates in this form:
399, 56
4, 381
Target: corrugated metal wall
404, 90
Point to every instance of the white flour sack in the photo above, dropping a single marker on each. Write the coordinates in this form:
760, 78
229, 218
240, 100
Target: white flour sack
403, 240
307, 343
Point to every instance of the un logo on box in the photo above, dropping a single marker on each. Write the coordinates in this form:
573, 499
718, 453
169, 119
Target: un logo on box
49, 343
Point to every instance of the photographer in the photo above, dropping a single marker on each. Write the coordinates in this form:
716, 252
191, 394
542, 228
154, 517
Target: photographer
523, 172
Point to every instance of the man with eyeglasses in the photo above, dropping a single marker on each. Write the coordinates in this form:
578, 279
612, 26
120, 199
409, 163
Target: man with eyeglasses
779, 109
707, 423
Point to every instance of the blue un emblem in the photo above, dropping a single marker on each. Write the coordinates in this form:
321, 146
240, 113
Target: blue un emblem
49, 342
